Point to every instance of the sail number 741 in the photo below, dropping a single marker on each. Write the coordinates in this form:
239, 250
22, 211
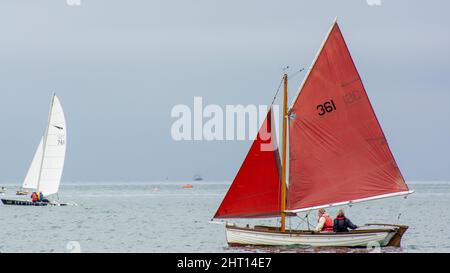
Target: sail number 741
326, 107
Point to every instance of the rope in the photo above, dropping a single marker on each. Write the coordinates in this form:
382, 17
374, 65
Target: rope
293, 75
282, 78
401, 209
304, 220
278, 90
307, 219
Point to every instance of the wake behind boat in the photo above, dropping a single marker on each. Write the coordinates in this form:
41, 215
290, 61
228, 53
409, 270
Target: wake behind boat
44, 174
338, 155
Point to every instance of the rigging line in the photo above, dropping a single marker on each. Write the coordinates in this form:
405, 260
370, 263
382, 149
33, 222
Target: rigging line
307, 219
282, 78
278, 90
303, 220
402, 208
293, 75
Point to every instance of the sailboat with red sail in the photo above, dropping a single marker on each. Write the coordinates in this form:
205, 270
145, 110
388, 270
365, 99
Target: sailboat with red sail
338, 155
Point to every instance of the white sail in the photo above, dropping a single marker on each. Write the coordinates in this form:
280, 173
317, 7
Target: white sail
32, 177
54, 151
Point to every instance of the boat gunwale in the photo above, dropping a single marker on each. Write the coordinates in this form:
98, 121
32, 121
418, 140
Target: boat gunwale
275, 230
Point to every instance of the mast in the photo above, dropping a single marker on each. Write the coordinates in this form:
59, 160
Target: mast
283, 158
44, 143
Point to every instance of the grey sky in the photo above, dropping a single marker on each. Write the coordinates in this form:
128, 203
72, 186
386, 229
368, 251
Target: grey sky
120, 66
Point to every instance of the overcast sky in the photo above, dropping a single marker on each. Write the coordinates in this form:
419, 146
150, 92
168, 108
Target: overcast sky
119, 66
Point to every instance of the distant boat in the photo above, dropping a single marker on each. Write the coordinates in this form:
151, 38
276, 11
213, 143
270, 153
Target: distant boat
2, 189
187, 186
44, 174
338, 155
22, 192
198, 177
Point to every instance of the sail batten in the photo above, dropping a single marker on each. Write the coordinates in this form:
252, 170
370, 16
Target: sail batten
338, 151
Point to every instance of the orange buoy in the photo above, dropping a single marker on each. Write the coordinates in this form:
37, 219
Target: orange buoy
187, 186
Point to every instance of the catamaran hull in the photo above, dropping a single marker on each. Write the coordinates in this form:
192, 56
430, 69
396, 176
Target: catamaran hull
13, 202
271, 237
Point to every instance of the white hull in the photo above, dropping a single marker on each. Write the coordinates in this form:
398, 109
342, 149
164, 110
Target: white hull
271, 237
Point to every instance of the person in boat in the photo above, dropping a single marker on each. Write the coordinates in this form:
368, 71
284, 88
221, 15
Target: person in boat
325, 223
42, 198
342, 223
34, 197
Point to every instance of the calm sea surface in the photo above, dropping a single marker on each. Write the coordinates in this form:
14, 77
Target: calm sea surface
164, 217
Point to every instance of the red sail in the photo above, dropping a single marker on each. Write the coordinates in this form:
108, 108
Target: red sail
338, 152
255, 191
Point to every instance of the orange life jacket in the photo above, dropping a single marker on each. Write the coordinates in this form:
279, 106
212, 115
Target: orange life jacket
328, 226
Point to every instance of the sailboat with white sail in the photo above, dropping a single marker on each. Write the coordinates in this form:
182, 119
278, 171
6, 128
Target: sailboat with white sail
338, 155
44, 174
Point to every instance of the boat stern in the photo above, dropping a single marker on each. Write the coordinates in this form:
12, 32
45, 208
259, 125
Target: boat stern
397, 238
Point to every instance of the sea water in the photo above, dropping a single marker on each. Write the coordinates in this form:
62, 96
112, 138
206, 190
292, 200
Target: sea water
165, 217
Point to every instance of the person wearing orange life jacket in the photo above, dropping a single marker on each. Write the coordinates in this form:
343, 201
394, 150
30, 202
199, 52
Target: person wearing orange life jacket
34, 197
325, 223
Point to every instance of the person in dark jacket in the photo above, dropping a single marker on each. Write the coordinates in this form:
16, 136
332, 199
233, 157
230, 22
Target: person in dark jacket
341, 223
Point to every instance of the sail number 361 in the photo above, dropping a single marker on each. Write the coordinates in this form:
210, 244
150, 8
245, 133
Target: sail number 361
326, 107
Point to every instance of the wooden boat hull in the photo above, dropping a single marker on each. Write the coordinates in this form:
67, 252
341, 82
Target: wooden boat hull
269, 236
13, 202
